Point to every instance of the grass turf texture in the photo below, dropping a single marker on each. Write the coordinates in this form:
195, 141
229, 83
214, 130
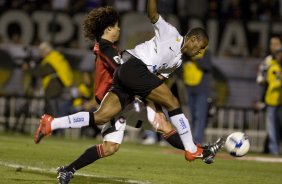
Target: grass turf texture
133, 163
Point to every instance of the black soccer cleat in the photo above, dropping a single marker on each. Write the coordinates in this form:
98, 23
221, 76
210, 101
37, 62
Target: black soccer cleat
210, 150
64, 176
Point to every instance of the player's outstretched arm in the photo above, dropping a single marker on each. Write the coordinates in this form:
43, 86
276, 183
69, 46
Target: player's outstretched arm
152, 10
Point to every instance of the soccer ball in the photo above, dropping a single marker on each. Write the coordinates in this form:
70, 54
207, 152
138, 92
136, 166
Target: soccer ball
237, 144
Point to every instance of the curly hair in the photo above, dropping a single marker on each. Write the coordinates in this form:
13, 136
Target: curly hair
98, 20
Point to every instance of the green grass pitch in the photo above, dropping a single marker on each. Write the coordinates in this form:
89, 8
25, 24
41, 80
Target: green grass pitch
21, 161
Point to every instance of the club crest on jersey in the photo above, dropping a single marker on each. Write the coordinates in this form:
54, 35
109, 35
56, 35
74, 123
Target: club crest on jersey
78, 119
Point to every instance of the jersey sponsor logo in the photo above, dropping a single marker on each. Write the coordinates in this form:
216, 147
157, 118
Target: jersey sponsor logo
78, 119
182, 124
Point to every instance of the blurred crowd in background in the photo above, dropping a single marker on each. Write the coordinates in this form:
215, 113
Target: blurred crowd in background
264, 10
254, 21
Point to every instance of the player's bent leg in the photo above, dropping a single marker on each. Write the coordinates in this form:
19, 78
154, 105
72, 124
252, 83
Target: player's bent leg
65, 173
114, 133
168, 131
92, 154
157, 118
109, 108
49, 124
110, 148
160, 124
164, 97
112, 138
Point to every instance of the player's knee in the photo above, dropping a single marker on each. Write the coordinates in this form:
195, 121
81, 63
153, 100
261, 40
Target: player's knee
110, 148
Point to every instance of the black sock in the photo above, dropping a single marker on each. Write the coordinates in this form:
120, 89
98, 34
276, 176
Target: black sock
175, 112
173, 139
89, 156
91, 119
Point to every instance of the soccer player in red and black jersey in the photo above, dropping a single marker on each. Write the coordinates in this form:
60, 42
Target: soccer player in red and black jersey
102, 25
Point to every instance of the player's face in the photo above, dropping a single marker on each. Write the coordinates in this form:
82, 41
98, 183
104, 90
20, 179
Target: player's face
194, 46
275, 44
115, 32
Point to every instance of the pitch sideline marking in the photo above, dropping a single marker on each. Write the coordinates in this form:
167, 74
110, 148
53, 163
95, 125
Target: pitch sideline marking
16, 166
261, 159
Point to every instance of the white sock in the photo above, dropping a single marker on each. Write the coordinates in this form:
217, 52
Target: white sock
151, 113
76, 120
182, 126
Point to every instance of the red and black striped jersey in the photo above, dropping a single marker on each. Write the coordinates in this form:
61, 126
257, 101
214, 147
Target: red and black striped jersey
105, 64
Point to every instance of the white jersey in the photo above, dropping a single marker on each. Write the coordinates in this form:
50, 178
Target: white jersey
162, 54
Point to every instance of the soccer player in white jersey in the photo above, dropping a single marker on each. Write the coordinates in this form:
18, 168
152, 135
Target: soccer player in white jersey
142, 74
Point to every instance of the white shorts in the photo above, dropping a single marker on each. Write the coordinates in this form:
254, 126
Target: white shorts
114, 132
134, 115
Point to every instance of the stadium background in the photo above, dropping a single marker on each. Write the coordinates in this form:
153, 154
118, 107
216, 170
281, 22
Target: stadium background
239, 32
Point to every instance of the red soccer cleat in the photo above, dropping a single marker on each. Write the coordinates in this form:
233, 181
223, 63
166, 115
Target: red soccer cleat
192, 156
44, 128
206, 153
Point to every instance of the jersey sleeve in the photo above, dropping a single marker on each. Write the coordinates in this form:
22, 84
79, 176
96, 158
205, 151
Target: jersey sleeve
164, 30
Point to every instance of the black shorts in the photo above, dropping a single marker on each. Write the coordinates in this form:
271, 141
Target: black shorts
133, 78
